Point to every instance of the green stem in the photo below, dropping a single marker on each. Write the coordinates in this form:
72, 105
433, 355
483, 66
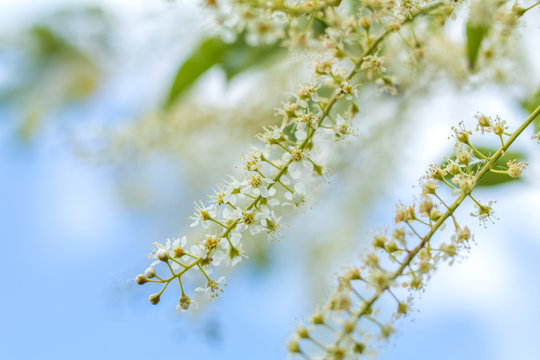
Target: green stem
451, 209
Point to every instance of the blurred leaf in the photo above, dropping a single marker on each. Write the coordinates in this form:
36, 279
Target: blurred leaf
46, 44
240, 56
207, 54
30, 124
233, 58
531, 103
475, 34
492, 179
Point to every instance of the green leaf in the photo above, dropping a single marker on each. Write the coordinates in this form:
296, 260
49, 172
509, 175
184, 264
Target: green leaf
240, 56
492, 179
233, 58
475, 34
530, 104
209, 52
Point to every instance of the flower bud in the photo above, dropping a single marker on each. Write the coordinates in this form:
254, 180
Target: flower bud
293, 346
150, 272
141, 279
179, 252
154, 299
393, 27
317, 318
303, 333
365, 22
348, 327
184, 302
359, 347
391, 247
435, 215
379, 241
163, 255
518, 10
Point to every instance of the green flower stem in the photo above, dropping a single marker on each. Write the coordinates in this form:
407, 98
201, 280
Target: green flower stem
532, 6
499, 171
425, 240
325, 113
478, 152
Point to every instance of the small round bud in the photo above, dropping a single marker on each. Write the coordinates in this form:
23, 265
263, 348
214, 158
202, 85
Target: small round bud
391, 247
154, 299
141, 279
379, 241
317, 318
179, 252
303, 333
518, 10
393, 27
293, 346
184, 302
462, 136
150, 272
435, 215
359, 347
348, 327
163, 255
365, 22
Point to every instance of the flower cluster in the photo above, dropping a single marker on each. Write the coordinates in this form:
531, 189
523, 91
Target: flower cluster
274, 172
403, 258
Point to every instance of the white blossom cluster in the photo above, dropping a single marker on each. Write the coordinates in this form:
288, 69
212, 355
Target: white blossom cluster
273, 176
276, 173
403, 257
273, 172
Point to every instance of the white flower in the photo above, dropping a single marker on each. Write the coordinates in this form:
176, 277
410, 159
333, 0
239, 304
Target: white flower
150, 272
300, 164
342, 128
220, 253
258, 185
169, 250
270, 223
212, 287
181, 307
298, 197
198, 251
222, 195
202, 214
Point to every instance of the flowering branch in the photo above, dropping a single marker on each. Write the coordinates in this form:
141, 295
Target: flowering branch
381, 281
250, 204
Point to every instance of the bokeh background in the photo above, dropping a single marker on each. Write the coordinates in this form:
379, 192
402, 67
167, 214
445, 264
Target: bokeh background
96, 164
